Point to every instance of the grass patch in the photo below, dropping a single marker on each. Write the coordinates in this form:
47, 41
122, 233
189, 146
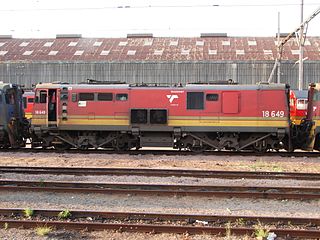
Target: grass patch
64, 214
260, 165
28, 212
6, 226
43, 231
261, 232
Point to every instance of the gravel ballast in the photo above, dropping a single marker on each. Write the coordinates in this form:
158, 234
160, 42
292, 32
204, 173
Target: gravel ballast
157, 204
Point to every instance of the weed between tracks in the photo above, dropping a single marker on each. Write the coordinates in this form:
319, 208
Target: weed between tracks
28, 212
5, 226
265, 166
64, 214
43, 231
261, 231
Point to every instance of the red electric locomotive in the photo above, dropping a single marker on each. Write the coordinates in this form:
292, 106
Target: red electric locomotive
298, 105
315, 109
28, 100
196, 117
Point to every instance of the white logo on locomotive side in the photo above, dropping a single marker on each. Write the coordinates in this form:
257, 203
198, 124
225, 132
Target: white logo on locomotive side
172, 97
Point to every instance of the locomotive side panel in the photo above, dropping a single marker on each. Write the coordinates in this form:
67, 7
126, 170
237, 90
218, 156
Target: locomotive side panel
96, 109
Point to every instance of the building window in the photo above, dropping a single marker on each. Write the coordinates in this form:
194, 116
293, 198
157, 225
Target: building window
122, 97
86, 96
27, 53
48, 44
104, 96
104, 52
73, 44
131, 52
158, 52
97, 44
53, 53
78, 53
212, 97
195, 100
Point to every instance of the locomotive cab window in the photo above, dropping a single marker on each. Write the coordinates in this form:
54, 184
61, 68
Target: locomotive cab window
105, 97
41, 96
10, 97
122, 97
212, 97
73, 97
24, 100
195, 100
86, 96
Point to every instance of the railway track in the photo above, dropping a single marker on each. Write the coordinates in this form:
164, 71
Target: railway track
164, 223
159, 172
161, 190
166, 152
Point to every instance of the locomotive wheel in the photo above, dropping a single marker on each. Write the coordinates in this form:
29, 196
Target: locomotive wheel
122, 147
62, 147
260, 149
197, 149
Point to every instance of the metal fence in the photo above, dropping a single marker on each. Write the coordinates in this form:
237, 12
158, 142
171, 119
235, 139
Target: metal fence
28, 73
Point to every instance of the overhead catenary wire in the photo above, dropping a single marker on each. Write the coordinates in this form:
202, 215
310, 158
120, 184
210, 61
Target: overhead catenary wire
154, 6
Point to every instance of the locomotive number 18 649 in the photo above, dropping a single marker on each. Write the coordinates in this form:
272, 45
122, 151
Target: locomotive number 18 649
272, 114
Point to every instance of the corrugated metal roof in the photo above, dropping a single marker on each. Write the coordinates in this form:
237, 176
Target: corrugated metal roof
153, 49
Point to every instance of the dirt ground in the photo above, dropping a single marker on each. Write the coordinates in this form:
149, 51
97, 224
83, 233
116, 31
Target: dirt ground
244, 163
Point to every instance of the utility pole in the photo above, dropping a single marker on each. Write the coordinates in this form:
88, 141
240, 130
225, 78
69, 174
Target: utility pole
301, 44
287, 38
278, 69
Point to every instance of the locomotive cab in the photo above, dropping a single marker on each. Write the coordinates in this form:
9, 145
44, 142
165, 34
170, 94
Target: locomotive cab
45, 108
298, 105
315, 112
28, 100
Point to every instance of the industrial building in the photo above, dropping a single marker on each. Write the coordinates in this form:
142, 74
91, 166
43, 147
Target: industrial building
142, 58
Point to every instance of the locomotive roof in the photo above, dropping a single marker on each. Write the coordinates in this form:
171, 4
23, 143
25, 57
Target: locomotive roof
187, 87
301, 93
235, 87
6, 85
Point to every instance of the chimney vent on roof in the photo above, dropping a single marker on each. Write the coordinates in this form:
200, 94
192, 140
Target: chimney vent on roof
5, 36
139, 35
282, 35
207, 35
68, 36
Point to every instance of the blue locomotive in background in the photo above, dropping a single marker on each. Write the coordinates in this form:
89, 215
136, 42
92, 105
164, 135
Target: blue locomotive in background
13, 124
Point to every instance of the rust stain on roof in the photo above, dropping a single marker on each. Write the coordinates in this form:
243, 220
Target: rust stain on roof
153, 49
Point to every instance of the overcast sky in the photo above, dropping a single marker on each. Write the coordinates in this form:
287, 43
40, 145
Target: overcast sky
189, 18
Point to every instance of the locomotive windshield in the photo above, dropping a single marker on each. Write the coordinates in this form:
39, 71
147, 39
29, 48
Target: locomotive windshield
10, 96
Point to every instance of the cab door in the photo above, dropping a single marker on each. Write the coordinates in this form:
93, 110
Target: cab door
40, 109
52, 107
230, 102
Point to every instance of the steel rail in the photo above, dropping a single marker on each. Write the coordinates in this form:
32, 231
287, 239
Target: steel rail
293, 227
162, 189
166, 152
160, 172
190, 218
